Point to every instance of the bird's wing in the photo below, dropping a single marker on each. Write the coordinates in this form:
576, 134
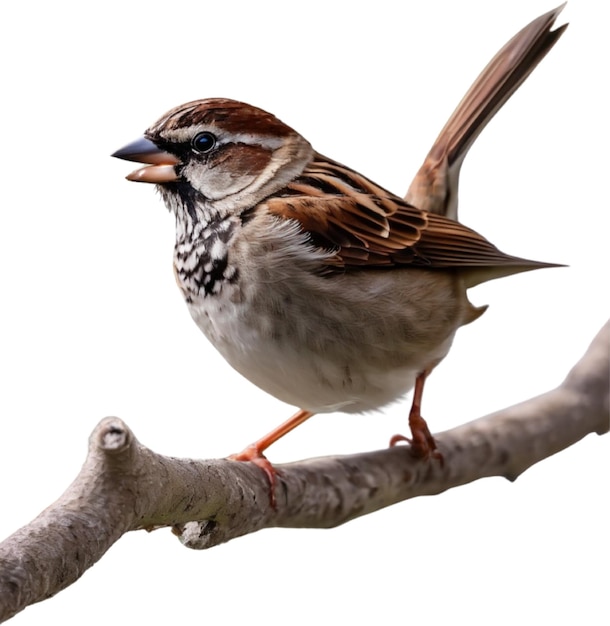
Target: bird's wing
368, 227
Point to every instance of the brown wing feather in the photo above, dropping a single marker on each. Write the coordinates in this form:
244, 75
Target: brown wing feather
371, 227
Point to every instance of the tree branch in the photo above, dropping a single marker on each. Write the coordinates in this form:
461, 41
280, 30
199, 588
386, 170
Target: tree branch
125, 486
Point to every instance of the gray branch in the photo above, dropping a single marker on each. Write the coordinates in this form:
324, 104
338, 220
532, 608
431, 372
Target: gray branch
125, 486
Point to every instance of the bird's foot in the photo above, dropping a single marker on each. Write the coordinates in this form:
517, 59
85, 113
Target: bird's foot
423, 444
254, 455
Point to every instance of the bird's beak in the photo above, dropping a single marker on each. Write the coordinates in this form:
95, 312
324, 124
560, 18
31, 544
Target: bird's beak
161, 165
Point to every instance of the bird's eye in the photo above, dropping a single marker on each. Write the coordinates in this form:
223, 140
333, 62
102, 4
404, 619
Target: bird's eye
203, 142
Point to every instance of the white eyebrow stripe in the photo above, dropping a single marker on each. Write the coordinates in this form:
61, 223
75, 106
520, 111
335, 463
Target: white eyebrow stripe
184, 135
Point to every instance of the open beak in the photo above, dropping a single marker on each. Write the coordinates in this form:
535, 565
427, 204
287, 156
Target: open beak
161, 165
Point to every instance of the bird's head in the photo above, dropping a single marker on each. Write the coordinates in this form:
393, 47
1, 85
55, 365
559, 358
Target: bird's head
218, 154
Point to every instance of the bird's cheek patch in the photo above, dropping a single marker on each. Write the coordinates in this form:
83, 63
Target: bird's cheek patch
241, 159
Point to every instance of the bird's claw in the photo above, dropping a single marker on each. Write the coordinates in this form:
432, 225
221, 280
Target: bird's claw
252, 454
423, 444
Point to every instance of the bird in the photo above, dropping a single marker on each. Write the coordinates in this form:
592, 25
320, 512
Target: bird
316, 284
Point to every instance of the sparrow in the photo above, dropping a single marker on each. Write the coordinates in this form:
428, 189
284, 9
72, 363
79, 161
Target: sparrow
319, 286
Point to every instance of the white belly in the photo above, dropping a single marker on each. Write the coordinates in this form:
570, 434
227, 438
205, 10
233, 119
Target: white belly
320, 352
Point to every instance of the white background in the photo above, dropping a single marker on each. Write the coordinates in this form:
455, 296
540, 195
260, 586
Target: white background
92, 324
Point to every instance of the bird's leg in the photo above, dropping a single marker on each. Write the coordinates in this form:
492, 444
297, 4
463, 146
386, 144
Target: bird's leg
422, 442
254, 452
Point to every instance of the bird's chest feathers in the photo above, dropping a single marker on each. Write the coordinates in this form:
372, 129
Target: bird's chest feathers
202, 262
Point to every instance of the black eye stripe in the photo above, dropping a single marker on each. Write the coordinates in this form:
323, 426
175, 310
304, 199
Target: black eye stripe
203, 142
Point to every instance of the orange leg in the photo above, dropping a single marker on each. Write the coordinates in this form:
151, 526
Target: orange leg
422, 442
254, 452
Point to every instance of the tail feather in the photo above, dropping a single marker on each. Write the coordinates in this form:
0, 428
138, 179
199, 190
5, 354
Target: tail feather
435, 187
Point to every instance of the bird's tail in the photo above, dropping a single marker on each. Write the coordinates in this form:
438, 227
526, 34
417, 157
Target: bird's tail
435, 187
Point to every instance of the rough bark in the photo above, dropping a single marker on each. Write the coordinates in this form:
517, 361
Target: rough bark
125, 486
